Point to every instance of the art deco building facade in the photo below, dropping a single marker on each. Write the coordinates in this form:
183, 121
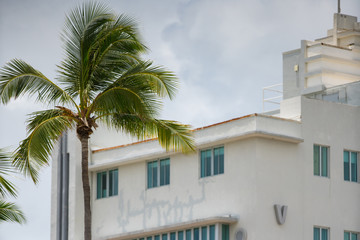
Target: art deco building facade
287, 174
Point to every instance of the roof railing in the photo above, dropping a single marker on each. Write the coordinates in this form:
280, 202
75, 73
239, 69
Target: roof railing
275, 93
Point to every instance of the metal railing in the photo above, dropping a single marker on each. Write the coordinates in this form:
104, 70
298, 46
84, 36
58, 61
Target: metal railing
274, 91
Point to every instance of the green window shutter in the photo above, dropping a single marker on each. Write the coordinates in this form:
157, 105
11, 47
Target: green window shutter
196, 234
212, 232
204, 233
164, 236
354, 167
218, 160
202, 163
113, 182
152, 174
316, 233
208, 163
103, 184
164, 172
317, 160
98, 186
188, 234
346, 236
324, 161
324, 234
181, 235
225, 232
354, 236
346, 166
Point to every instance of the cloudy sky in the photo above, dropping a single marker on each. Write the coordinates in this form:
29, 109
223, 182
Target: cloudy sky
223, 51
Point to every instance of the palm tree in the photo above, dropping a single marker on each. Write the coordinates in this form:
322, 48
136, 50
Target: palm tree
102, 78
9, 212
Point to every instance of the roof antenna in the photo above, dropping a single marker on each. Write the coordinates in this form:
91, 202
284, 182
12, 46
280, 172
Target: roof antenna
339, 9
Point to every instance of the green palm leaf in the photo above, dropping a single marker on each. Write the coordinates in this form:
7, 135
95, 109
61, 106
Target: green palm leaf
6, 187
45, 129
18, 78
10, 212
171, 134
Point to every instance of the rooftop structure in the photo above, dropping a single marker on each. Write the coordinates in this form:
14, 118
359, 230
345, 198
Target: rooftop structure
287, 174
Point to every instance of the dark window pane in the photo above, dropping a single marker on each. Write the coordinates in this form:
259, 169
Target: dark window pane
317, 160
225, 232
98, 187
188, 234
346, 166
149, 238
346, 236
172, 236
181, 235
152, 174
218, 160
164, 237
353, 166
212, 232
204, 233
208, 163
316, 233
104, 183
324, 161
164, 172
324, 234
354, 236
157, 237
202, 163
196, 234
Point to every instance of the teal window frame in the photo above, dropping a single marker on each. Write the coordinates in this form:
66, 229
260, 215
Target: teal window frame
321, 160
212, 161
107, 183
321, 233
351, 166
225, 232
158, 173
348, 235
180, 235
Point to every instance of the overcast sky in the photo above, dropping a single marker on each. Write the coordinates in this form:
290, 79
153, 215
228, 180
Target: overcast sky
223, 51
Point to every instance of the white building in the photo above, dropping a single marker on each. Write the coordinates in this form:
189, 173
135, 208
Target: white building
288, 174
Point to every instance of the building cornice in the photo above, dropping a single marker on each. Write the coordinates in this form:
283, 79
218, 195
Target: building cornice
250, 126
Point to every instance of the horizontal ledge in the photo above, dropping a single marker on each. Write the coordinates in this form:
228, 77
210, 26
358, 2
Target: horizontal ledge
162, 152
173, 227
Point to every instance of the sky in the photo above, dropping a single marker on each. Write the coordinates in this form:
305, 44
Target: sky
223, 52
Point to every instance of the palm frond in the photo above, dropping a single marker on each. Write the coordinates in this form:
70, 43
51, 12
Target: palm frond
123, 100
171, 134
9, 212
6, 187
45, 129
18, 78
150, 78
82, 26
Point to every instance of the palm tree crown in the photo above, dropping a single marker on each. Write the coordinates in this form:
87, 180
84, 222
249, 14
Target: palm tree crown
102, 78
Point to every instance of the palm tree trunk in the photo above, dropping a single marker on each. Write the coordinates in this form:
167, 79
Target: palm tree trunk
86, 186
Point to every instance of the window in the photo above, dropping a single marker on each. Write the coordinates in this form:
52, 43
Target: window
350, 236
321, 233
158, 173
217, 231
321, 161
107, 184
350, 166
212, 161
225, 232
